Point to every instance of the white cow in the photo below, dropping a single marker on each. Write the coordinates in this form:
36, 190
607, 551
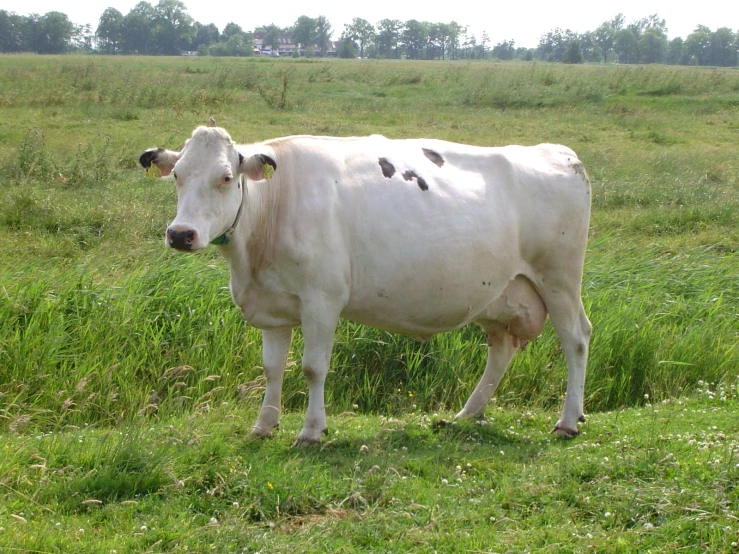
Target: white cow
411, 236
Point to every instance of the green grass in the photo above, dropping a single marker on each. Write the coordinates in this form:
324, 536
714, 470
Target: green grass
661, 477
108, 338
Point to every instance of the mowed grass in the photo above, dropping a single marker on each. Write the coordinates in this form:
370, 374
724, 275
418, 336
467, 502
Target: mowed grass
658, 478
108, 338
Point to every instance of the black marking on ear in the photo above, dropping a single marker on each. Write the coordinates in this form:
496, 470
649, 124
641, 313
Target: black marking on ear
149, 156
409, 175
433, 156
388, 169
241, 158
267, 160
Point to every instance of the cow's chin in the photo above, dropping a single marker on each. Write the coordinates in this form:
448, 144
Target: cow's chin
193, 248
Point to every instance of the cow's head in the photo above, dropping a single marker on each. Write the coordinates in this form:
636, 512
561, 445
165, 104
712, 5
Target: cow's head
208, 174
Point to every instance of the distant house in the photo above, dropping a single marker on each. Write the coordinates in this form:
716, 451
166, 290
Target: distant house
287, 47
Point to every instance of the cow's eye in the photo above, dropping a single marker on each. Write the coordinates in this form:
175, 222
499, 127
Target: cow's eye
227, 178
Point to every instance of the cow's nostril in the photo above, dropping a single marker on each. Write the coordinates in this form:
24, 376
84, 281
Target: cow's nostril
181, 240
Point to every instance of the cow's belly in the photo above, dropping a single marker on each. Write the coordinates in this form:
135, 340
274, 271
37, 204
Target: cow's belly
513, 303
441, 298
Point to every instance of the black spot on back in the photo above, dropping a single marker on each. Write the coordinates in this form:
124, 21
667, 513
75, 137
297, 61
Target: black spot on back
433, 156
388, 169
410, 175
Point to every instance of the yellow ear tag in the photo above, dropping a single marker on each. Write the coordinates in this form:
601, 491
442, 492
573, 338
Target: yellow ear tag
267, 171
153, 172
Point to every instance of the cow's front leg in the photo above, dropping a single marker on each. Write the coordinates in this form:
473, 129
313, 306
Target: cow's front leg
275, 346
319, 325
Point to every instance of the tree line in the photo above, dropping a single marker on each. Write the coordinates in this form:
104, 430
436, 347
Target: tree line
167, 29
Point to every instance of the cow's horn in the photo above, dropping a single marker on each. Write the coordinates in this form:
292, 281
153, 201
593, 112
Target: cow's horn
212, 122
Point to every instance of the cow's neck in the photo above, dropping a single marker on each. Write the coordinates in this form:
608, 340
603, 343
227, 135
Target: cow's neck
252, 240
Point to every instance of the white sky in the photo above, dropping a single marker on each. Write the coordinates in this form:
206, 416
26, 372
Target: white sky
523, 21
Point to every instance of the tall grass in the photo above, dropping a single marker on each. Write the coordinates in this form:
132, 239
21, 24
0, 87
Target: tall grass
168, 339
99, 324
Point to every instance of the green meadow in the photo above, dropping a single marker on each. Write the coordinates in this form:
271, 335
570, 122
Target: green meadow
128, 380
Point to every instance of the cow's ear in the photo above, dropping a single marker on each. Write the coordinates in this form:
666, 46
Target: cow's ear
163, 159
258, 167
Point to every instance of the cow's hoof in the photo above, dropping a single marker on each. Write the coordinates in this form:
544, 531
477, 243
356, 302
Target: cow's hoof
263, 432
581, 419
564, 432
308, 438
470, 415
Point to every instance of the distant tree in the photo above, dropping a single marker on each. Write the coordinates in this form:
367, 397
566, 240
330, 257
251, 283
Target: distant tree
618, 22
625, 45
205, 36
437, 40
469, 45
653, 22
138, 30
604, 37
360, 31
53, 33
723, 48
323, 33
436, 43
272, 35
504, 50
238, 45
652, 45
484, 41
12, 31
110, 31
388, 36
697, 46
552, 45
525, 54
590, 50
675, 54
439, 37
175, 29
414, 38
305, 31
83, 38
455, 31
573, 52
347, 48
230, 30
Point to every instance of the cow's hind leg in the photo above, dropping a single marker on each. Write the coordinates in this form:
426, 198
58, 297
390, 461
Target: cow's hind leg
275, 346
573, 328
501, 348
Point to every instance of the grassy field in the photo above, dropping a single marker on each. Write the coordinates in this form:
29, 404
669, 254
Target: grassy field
128, 380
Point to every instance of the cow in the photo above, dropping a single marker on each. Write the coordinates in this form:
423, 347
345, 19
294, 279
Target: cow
412, 236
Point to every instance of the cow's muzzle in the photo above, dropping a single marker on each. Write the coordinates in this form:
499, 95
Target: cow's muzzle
181, 239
